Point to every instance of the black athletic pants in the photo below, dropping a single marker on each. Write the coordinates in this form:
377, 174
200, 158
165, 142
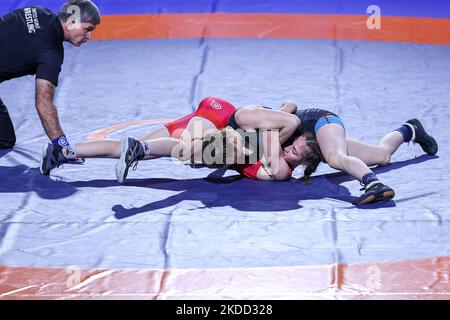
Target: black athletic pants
7, 134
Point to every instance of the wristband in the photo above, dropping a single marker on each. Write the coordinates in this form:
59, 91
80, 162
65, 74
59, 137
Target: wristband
62, 141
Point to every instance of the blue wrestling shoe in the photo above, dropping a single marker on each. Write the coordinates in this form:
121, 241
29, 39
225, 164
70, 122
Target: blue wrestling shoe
419, 135
131, 151
52, 157
375, 191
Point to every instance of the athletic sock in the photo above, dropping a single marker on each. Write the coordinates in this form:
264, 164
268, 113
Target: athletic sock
69, 152
147, 149
406, 132
369, 178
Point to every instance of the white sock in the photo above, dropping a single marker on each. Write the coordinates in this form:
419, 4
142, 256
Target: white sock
69, 153
413, 136
147, 149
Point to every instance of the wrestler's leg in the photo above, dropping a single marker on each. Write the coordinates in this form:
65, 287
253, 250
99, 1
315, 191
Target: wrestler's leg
111, 148
132, 150
379, 154
334, 147
161, 132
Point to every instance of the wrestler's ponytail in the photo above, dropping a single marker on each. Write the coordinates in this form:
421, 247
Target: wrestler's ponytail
313, 159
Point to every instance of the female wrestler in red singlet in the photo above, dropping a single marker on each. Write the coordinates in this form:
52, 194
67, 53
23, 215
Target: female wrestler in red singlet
183, 139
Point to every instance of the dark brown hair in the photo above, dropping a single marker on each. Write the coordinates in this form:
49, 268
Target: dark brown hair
312, 160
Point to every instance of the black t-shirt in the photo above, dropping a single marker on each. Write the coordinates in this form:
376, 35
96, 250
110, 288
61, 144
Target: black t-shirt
31, 42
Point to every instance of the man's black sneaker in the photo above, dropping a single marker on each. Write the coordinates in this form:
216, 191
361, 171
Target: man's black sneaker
52, 157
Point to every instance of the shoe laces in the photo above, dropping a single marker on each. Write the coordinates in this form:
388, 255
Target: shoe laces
134, 163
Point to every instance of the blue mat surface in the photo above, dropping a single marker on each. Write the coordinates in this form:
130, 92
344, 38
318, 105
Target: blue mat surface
169, 216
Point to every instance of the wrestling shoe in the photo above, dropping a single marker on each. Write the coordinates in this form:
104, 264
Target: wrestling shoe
131, 151
375, 191
419, 135
52, 157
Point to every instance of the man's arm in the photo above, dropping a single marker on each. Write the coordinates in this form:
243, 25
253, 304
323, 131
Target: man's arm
45, 90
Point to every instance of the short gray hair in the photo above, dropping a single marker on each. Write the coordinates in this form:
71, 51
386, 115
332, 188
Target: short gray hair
88, 10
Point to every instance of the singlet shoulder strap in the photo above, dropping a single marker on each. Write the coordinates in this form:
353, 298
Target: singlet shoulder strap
232, 122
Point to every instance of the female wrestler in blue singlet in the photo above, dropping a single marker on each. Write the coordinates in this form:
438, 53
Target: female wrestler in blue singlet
350, 155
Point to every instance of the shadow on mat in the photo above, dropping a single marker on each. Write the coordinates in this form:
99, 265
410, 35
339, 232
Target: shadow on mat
246, 194
4, 152
23, 179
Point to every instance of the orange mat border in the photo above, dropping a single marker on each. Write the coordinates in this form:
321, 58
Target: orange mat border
302, 26
426, 278
104, 132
